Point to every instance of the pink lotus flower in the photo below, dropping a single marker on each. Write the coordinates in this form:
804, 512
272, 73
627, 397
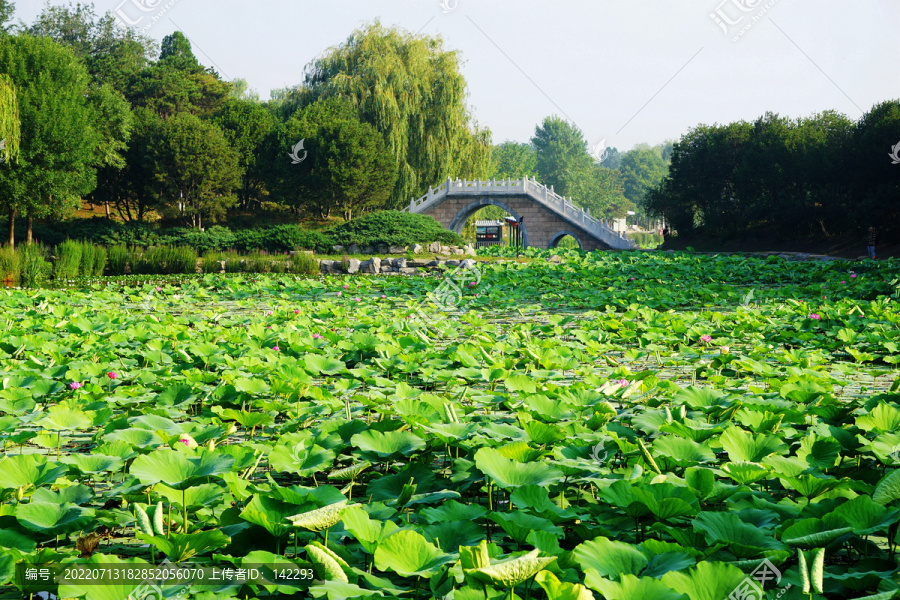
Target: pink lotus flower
843, 282
276, 348
76, 385
346, 287
357, 299
724, 349
159, 289
705, 338
339, 294
111, 375
815, 316
383, 296
632, 279
316, 336
853, 276
622, 383
268, 313
296, 311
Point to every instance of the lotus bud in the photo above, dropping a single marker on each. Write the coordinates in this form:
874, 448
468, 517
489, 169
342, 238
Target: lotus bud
232, 428
20, 493
187, 441
124, 503
211, 445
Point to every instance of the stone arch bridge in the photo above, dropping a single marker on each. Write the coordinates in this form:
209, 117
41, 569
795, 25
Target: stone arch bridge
548, 216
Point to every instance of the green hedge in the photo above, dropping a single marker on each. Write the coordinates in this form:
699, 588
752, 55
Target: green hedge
392, 228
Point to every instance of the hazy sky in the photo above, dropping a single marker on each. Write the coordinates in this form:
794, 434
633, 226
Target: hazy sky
624, 71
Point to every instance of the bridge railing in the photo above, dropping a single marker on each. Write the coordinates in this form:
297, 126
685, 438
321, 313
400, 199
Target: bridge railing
537, 191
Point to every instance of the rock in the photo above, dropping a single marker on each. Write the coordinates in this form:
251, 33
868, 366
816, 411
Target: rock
417, 249
400, 263
382, 249
397, 250
372, 266
354, 249
445, 249
458, 252
452, 263
554, 259
468, 264
434, 247
337, 267
407, 271
469, 250
353, 267
670, 251
337, 248
386, 269
433, 263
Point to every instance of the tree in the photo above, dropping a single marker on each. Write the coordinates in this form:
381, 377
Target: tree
111, 52
58, 151
113, 120
7, 10
197, 168
611, 158
513, 160
562, 156
246, 126
642, 170
177, 83
411, 90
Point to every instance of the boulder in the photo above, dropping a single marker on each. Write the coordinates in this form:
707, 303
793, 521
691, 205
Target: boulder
386, 268
433, 263
382, 248
469, 250
371, 266
407, 271
353, 267
458, 252
452, 263
400, 263
434, 247
554, 259
326, 265
468, 264
337, 248
417, 249
354, 249
397, 250
445, 249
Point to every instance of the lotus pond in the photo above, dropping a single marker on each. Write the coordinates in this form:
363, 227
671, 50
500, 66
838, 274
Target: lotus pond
620, 426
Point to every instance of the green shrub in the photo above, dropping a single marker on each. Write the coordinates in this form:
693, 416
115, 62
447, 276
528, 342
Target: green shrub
303, 263
212, 261
88, 251
34, 267
393, 228
68, 260
118, 259
233, 264
10, 269
646, 239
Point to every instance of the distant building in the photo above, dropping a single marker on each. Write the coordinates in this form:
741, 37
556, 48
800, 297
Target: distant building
488, 233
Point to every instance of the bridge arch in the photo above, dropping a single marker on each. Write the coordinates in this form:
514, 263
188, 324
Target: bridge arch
463, 215
556, 237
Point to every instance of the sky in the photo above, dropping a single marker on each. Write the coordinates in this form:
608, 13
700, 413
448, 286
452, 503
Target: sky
623, 71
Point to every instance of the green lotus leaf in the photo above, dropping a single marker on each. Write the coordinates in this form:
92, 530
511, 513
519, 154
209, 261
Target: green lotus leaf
742, 539
93, 463
745, 473
508, 473
706, 581
884, 417
683, 452
821, 453
368, 532
319, 519
389, 445
511, 572
179, 469
53, 519
557, 590
65, 418
866, 516
269, 513
814, 533
602, 557
331, 566
28, 469
887, 491
409, 554
179, 547
748, 447
317, 364
631, 587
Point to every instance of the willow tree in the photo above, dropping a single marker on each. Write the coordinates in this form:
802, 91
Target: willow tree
409, 87
9, 127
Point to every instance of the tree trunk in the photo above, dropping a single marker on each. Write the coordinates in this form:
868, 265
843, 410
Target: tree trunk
12, 228
28, 236
106, 204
